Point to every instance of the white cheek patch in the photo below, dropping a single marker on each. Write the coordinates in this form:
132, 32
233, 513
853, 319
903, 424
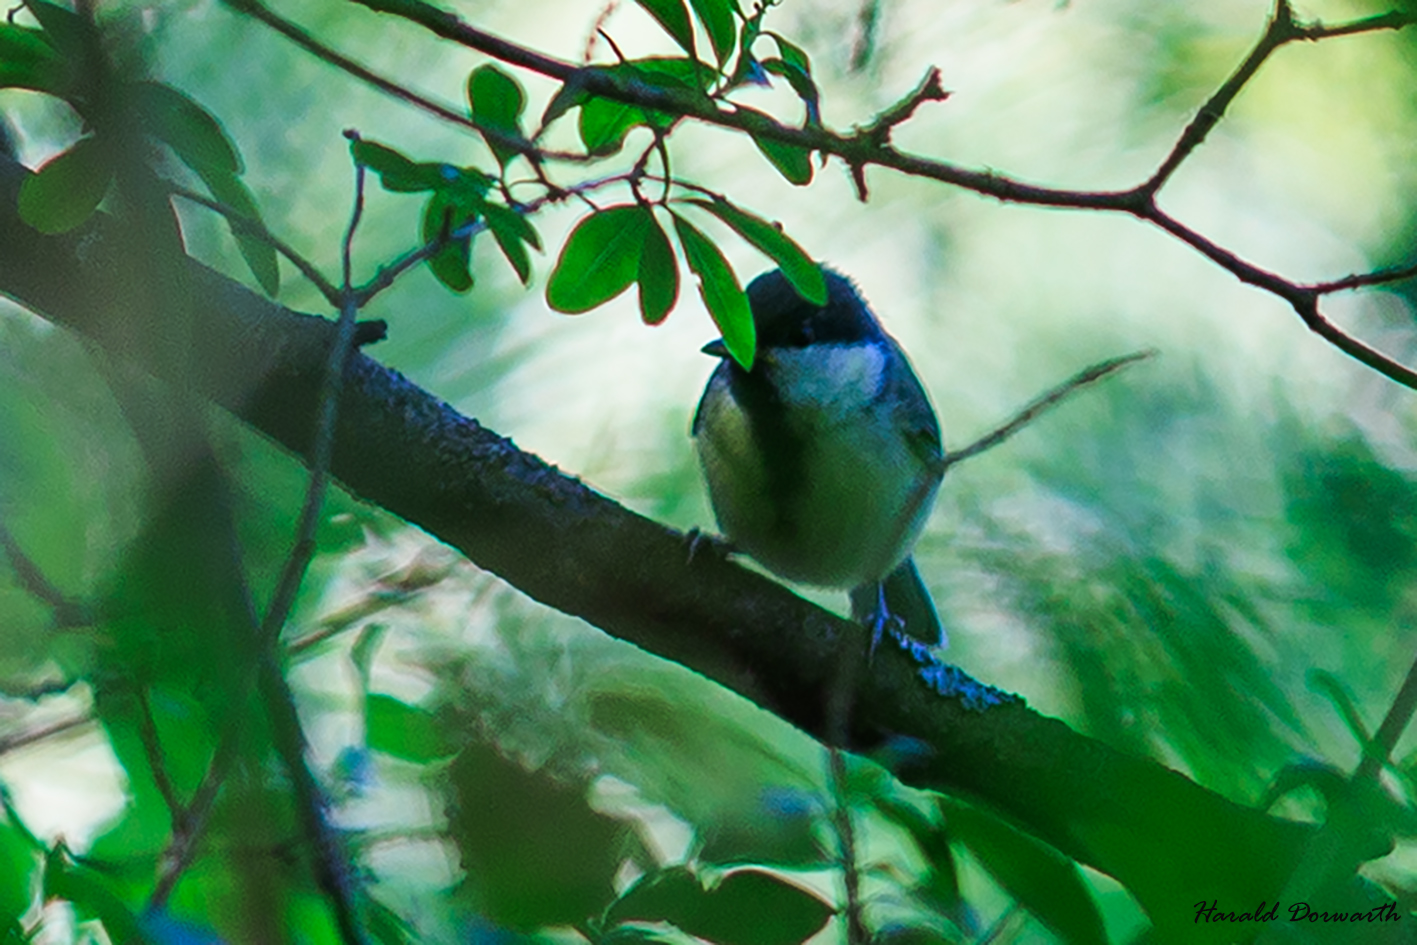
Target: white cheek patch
836, 378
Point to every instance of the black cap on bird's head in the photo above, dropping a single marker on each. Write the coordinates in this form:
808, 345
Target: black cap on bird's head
783, 319
786, 320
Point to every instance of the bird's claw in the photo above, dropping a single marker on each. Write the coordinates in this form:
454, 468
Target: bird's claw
881, 621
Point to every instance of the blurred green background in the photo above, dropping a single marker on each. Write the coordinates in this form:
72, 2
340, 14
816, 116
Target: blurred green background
1162, 563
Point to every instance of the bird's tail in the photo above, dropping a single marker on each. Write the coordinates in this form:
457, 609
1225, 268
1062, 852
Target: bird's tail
906, 600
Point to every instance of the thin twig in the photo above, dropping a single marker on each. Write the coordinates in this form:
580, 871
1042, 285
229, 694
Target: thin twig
249, 227
330, 867
1041, 404
157, 764
310, 44
1005, 920
9, 743
1279, 32
188, 830
67, 612
929, 90
386, 275
856, 933
1359, 280
861, 149
322, 448
1325, 854
1399, 715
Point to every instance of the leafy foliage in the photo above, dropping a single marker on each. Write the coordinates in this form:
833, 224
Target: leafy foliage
1165, 644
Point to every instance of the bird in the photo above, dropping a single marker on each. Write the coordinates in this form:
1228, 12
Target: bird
823, 459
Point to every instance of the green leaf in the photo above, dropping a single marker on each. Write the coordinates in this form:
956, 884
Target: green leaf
186, 127
67, 189
717, 18
64, 28
746, 907
672, 15
406, 732
722, 294
792, 55
571, 94
366, 645
801, 83
510, 229
672, 73
805, 275
450, 264
28, 61
91, 896
747, 66
497, 102
1045, 882
792, 162
604, 123
260, 255
658, 275
18, 861
600, 259
535, 852
396, 172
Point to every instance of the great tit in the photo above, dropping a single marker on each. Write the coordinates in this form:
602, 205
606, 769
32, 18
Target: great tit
823, 461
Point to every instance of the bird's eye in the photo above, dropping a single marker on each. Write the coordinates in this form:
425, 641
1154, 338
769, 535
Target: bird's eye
805, 335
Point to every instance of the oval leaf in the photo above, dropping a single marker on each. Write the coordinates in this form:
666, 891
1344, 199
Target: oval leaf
600, 259
27, 61
67, 189
805, 275
260, 255
511, 230
1045, 882
186, 127
791, 54
406, 732
604, 123
747, 907
396, 172
18, 862
801, 83
792, 162
658, 275
722, 294
672, 15
62, 27
450, 264
717, 18
497, 101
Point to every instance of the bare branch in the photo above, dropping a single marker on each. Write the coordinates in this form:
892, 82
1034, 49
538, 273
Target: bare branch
1391, 20
1358, 280
862, 149
310, 44
1283, 28
1041, 404
331, 870
929, 90
19, 740
1280, 31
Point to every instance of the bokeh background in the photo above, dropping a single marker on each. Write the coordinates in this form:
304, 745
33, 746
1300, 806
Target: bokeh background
1163, 563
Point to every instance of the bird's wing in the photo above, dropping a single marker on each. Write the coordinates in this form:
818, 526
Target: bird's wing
917, 418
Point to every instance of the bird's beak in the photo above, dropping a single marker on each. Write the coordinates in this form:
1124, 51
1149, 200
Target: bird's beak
716, 348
